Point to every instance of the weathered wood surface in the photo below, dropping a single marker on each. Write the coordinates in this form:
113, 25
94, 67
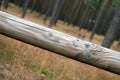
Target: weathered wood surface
60, 43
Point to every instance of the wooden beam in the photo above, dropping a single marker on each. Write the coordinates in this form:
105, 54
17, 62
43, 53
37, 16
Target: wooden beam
59, 43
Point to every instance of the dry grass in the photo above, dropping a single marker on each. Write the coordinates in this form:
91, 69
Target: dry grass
13, 66
54, 66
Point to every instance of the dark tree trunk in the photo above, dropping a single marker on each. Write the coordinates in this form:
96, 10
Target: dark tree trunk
20, 3
76, 13
6, 4
25, 5
85, 13
68, 11
98, 19
55, 14
38, 6
43, 7
1, 3
112, 32
72, 12
33, 6
105, 17
78, 21
48, 11
16, 2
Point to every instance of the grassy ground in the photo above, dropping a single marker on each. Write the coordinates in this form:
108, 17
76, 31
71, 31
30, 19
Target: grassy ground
13, 67
28, 62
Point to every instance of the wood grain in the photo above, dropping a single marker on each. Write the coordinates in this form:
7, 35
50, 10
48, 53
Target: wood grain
59, 43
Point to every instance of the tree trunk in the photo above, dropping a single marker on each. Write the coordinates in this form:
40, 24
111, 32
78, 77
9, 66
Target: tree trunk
0, 4
106, 16
74, 19
16, 2
38, 6
68, 11
72, 13
98, 18
43, 7
25, 5
85, 13
112, 32
82, 7
20, 3
48, 11
57, 9
33, 6
6, 4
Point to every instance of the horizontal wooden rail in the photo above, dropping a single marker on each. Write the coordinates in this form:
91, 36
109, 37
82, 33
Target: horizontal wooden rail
59, 43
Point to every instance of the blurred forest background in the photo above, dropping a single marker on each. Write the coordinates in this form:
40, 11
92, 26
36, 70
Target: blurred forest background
97, 21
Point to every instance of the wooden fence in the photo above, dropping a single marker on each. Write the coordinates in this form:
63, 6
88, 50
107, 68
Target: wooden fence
59, 43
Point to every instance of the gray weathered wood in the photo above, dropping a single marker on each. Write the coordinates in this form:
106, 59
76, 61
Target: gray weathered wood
60, 43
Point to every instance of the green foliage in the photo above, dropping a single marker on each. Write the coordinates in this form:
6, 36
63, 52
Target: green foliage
95, 4
116, 3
